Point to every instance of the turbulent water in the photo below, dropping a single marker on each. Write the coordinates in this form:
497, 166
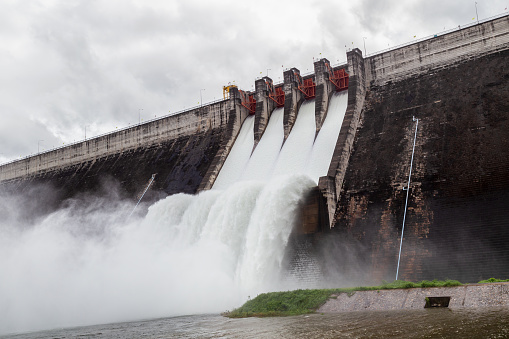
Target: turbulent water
426, 323
87, 263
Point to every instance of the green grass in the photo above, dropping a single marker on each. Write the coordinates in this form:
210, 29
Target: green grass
308, 301
492, 280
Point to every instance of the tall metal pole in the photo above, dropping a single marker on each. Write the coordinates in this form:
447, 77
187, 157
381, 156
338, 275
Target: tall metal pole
201, 102
38, 141
407, 192
477, 16
364, 45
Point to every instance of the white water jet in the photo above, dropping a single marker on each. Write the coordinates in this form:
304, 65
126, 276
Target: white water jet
323, 147
295, 153
238, 157
188, 255
261, 163
84, 264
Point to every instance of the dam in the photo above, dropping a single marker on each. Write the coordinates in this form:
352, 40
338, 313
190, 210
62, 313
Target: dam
312, 173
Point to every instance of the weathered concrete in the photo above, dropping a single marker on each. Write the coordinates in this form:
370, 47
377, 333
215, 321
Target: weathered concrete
456, 84
456, 225
264, 108
467, 296
331, 185
179, 149
439, 52
324, 90
293, 99
238, 114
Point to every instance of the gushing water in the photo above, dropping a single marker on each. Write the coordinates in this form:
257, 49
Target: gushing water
297, 148
188, 255
261, 163
323, 147
85, 264
239, 156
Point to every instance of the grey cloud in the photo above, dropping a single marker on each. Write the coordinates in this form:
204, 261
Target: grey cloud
67, 64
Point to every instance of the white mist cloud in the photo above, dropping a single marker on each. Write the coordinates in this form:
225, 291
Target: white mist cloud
86, 263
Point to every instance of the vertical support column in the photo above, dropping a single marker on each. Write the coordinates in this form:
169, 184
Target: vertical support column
331, 184
264, 107
324, 90
293, 99
236, 117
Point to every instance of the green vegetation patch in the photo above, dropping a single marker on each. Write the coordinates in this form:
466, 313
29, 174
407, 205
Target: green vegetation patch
492, 280
308, 301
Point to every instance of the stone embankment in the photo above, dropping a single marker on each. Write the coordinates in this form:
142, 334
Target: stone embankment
476, 295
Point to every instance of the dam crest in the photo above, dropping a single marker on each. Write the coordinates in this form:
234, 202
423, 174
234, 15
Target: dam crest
456, 84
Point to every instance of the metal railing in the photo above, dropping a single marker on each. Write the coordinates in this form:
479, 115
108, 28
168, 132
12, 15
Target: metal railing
114, 131
460, 27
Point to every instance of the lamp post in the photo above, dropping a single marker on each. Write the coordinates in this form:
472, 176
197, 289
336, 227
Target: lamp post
201, 101
477, 16
364, 38
86, 131
38, 143
139, 116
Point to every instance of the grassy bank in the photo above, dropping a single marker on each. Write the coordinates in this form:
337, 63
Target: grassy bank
493, 280
308, 301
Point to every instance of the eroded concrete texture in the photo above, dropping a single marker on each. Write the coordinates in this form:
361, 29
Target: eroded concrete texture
457, 221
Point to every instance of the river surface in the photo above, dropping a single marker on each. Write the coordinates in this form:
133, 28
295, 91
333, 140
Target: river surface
425, 323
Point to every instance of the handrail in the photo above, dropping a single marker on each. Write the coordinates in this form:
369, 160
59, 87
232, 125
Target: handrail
460, 27
497, 16
115, 131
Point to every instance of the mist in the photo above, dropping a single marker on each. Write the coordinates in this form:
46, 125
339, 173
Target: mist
86, 263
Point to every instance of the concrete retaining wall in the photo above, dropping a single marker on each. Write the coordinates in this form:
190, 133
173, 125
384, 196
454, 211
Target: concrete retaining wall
473, 296
179, 149
456, 222
438, 52
173, 127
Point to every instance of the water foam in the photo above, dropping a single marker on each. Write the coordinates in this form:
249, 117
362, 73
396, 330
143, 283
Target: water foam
188, 255
84, 264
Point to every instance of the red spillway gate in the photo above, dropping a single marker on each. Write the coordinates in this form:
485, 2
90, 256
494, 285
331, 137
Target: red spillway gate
339, 78
276, 94
306, 86
248, 101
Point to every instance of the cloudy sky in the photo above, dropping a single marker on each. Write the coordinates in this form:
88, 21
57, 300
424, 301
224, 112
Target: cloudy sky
71, 65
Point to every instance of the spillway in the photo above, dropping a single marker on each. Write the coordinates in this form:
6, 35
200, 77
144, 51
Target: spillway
261, 163
323, 146
188, 254
297, 149
301, 153
239, 156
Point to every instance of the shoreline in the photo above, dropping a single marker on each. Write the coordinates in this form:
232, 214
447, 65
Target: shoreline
399, 295
465, 296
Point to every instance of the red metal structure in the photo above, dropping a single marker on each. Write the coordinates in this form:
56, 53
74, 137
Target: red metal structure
248, 101
339, 78
276, 94
306, 86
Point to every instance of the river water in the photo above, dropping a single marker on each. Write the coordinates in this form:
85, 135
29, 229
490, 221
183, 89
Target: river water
425, 323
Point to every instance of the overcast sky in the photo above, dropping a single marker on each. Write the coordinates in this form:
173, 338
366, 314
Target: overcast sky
67, 65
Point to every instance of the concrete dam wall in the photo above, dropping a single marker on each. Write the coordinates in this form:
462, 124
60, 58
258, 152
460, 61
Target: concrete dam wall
455, 84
